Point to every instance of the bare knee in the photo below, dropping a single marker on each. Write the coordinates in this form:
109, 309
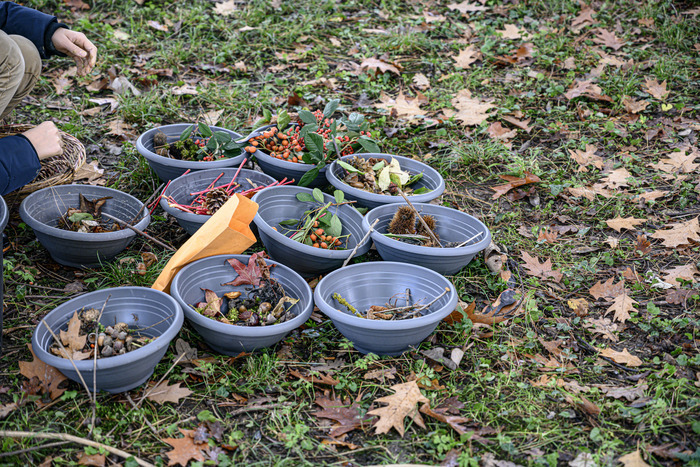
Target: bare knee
11, 63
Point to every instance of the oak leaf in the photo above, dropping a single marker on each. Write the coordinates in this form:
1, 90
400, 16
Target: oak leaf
465, 7
225, 8
95, 460
541, 270
378, 66
403, 106
184, 449
680, 233
578, 306
500, 133
421, 81
608, 39
651, 195
522, 124
165, 392
634, 107
401, 404
584, 18
455, 421
510, 31
678, 162
347, 416
586, 89
620, 223
49, 377
622, 305
630, 393
470, 111
617, 178
603, 326
467, 56
586, 157
686, 273
607, 289
621, 357
513, 182
633, 459
658, 91
71, 338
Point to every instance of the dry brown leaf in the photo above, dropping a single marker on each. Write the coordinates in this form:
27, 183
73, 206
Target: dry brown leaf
651, 195
431, 17
467, 56
607, 289
465, 7
586, 157
586, 89
546, 235
470, 111
499, 133
617, 178
633, 459
225, 8
658, 91
382, 374
541, 270
608, 39
522, 124
589, 193
579, 306
630, 393
378, 66
49, 377
679, 234
89, 171
184, 449
621, 357
603, 326
71, 338
455, 421
421, 81
95, 460
634, 107
642, 245
401, 404
347, 416
7, 409
584, 18
513, 182
510, 31
164, 392
403, 106
622, 305
678, 162
686, 273
679, 296
629, 223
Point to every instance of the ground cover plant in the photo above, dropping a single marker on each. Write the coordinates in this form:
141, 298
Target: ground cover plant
569, 128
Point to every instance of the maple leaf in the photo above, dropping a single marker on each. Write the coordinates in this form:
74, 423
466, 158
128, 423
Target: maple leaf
470, 111
401, 404
608, 39
678, 162
633, 106
620, 223
621, 357
465, 7
510, 31
467, 56
184, 449
402, 106
378, 66
348, 416
584, 18
658, 91
164, 392
633, 459
251, 274
622, 305
586, 157
680, 233
71, 338
686, 273
607, 289
543, 270
49, 377
513, 182
421, 81
617, 178
586, 89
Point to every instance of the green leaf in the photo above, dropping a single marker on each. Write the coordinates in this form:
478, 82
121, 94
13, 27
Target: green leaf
283, 120
81, 216
204, 130
362, 211
348, 167
291, 221
414, 179
309, 177
422, 190
325, 220
336, 227
379, 165
318, 195
331, 107
368, 145
187, 133
307, 117
206, 416
339, 196
221, 137
314, 143
305, 197
306, 129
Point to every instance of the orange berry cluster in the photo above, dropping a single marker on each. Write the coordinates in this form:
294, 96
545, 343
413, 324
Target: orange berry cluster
321, 240
287, 145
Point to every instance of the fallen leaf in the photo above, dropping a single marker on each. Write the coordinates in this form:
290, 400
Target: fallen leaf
49, 377
89, 171
499, 133
546, 235
77, 4
61, 84
513, 182
185, 90
652, 195
586, 89
248, 274
465, 7
184, 449
401, 404
347, 416
629, 223
634, 107
510, 31
658, 91
322, 379
470, 111
467, 56
454, 421
578, 306
630, 393
225, 8
421, 81
622, 305
584, 459
378, 66
633, 459
71, 338
587, 157
541, 270
403, 106
603, 326
621, 357
431, 17
157, 26
608, 39
165, 392
584, 18
679, 296
642, 245
686, 273
680, 233
7, 409
617, 178
95, 460
381, 374
678, 162
607, 289
522, 124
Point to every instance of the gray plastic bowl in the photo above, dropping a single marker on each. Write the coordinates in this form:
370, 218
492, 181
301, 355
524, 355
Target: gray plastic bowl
169, 169
277, 204
452, 226
4, 216
280, 168
367, 284
41, 211
431, 180
229, 339
181, 187
139, 307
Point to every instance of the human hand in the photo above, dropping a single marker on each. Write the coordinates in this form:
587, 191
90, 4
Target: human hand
77, 46
46, 140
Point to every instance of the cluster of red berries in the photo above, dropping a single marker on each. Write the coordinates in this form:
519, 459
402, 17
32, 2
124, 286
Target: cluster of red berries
202, 143
321, 240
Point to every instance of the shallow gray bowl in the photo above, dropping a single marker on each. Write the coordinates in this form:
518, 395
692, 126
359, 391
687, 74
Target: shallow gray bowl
431, 180
279, 203
181, 187
229, 339
451, 225
169, 169
139, 307
41, 211
367, 284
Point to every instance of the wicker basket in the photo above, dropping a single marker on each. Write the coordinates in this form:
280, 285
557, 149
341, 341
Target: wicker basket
58, 170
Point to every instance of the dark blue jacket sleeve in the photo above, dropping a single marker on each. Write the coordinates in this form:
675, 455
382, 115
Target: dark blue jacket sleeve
36, 26
19, 163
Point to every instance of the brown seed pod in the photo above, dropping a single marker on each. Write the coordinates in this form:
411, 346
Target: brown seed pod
233, 295
403, 222
265, 307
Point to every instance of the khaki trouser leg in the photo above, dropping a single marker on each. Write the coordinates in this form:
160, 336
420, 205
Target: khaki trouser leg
20, 67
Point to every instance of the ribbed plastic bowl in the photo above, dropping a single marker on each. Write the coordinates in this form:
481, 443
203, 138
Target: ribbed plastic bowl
367, 284
277, 204
451, 225
431, 180
4, 217
229, 339
169, 169
41, 211
181, 187
155, 312
280, 168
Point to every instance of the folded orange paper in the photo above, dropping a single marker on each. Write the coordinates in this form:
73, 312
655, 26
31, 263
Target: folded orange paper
227, 232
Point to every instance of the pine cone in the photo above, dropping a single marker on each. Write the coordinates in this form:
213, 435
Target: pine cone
215, 199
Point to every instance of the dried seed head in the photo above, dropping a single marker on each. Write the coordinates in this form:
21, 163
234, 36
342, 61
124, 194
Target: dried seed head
160, 139
90, 315
119, 327
403, 222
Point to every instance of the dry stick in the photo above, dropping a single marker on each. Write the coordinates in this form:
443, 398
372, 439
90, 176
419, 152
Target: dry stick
428, 305
140, 232
70, 357
74, 439
33, 448
420, 218
138, 404
131, 401
148, 201
94, 364
352, 253
473, 238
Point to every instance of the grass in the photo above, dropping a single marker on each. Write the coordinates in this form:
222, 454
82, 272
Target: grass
537, 415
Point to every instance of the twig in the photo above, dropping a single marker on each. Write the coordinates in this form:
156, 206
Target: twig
70, 357
354, 250
428, 305
74, 439
420, 218
138, 404
148, 201
154, 324
254, 408
140, 232
33, 448
471, 239
94, 364
414, 236
131, 401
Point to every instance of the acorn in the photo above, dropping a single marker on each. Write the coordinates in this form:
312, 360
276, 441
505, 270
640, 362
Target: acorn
107, 351
128, 342
254, 320
265, 307
122, 335
91, 338
119, 327
107, 341
109, 330
118, 345
101, 339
